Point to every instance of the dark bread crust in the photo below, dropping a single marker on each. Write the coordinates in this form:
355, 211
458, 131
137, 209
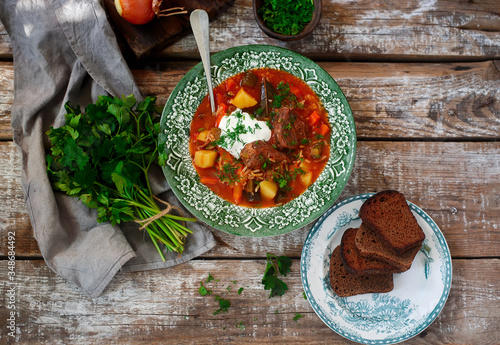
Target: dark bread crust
345, 284
357, 264
371, 245
390, 216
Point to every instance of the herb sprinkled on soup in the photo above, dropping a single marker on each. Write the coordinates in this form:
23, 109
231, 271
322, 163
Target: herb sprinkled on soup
267, 142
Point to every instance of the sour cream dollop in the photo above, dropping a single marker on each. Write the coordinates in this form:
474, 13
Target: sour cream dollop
240, 128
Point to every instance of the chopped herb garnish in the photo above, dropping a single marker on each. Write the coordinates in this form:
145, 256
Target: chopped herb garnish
240, 290
284, 177
285, 97
228, 174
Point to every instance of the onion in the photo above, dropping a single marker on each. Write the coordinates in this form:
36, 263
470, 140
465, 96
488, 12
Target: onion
143, 11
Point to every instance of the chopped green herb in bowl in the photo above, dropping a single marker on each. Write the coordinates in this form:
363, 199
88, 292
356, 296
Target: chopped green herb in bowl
287, 19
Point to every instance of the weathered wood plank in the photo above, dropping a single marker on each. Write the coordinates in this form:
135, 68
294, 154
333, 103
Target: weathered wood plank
388, 100
455, 183
359, 29
6, 99
150, 307
5, 43
362, 30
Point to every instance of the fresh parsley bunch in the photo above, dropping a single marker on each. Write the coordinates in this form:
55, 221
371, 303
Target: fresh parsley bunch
103, 156
274, 265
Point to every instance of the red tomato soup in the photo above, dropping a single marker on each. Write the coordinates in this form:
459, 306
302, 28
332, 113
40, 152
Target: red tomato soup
267, 142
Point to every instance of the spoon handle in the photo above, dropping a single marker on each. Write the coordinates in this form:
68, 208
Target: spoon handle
200, 26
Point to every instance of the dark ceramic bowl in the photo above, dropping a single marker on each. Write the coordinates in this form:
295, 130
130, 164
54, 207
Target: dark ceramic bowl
318, 7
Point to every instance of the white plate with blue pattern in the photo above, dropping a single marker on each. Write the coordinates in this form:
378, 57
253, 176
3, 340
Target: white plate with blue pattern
418, 296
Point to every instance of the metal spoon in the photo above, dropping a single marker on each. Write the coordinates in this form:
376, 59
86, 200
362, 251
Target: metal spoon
199, 24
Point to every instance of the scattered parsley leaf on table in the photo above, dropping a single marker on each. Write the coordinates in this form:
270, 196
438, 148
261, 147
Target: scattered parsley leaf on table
224, 305
103, 155
297, 316
275, 264
203, 290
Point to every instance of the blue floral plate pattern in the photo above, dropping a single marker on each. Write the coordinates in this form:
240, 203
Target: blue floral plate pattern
418, 296
256, 222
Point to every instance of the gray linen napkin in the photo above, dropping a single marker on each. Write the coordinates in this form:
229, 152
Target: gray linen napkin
65, 50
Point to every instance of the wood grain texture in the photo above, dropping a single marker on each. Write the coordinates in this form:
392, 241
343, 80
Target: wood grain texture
364, 30
456, 183
162, 305
6, 99
5, 44
388, 100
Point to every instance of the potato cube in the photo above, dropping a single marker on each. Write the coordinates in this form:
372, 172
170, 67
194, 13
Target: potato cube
268, 189
243, 100
304, 165
205, 158
202, 136
306, 179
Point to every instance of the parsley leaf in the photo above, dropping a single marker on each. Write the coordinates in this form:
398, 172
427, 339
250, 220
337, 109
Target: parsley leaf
297, 316
203, 290
275, 265
224, 305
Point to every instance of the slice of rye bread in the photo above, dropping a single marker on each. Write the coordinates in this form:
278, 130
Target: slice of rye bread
371, 245
345, 284
390, 216
357, 264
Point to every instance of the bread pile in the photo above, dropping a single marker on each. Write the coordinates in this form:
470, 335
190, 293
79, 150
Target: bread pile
385, 243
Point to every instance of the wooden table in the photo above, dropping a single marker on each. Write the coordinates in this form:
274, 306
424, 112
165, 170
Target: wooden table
423, 80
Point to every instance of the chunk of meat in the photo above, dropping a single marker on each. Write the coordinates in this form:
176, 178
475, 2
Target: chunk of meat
256, 153
288, 129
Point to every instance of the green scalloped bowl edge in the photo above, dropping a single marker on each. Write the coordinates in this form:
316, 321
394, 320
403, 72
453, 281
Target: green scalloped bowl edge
218, 57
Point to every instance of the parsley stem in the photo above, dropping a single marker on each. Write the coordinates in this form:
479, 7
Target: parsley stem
158, 230
171, 231
162, 240
156, 245
180, 228
156, 210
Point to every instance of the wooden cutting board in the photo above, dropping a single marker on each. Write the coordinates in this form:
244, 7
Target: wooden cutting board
157, 34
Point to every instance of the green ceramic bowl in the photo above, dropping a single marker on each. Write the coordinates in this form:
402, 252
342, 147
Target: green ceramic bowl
256, 222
